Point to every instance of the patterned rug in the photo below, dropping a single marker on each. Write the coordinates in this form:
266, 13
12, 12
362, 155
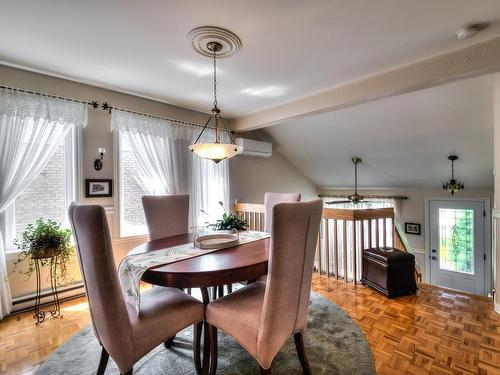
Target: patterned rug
334, 344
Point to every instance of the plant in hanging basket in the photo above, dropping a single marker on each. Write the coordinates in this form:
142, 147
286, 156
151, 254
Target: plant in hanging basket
229, 221
43, 241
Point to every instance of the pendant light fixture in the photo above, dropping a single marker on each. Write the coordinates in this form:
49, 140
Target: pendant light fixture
216, 150
453, 185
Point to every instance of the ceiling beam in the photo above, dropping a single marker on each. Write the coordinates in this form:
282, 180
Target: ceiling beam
478, 59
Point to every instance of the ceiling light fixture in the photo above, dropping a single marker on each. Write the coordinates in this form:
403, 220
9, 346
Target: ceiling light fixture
216, 46
467, 31
453, 185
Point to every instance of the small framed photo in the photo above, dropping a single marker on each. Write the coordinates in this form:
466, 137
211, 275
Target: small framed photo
97, 188
412, 228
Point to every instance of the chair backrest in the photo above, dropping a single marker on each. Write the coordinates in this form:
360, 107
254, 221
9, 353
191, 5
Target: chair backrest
271, 199
166, 215
288, 287
95, 254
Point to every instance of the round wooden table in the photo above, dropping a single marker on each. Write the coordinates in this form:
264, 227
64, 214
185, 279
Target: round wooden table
240, 263
222, 267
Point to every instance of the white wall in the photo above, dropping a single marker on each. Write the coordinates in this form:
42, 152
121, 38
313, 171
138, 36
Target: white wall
252, 177
413, 211
496, 204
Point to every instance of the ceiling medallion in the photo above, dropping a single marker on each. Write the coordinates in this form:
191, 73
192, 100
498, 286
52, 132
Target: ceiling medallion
200, 37
216, 150
453, 185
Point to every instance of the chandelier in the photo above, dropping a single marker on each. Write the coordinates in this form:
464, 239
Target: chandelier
453, 185
216, 150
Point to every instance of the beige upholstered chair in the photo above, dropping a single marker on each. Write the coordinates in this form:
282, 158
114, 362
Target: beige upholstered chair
125, 335
261, 317
270, 199
166, 215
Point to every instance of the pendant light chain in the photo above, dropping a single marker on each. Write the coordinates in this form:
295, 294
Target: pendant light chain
215, 79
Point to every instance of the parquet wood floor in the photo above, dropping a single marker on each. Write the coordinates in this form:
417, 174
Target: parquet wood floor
435, 331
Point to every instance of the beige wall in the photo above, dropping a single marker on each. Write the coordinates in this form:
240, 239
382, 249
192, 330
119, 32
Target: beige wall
413, 211
250, 177
496, 204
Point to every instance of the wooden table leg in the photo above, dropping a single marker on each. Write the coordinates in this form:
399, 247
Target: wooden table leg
206, 345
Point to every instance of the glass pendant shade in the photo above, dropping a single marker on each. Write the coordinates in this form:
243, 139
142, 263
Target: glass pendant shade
215, 151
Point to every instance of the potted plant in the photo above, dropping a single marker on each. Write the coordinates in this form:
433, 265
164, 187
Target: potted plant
229, 221
43, 241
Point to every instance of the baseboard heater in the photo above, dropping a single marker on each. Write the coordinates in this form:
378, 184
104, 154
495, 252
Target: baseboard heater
27, 302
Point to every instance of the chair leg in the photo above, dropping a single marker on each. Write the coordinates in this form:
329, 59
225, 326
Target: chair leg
212, 334
264, 371
169, 342
196, 347
103, 362
301, 352
229, 288
221, 290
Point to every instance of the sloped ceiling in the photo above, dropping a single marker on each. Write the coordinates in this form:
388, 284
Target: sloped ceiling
404, 141
291, 48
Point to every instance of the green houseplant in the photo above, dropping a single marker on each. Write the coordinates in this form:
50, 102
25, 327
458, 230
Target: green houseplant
229, 221
43, 240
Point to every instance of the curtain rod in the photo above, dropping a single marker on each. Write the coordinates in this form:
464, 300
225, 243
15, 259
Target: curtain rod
402, 197
106, 107
93, 103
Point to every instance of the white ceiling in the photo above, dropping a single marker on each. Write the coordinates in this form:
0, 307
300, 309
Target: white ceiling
290, 48
404, 141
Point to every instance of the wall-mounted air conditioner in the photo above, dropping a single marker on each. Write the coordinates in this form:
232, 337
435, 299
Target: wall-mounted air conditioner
255, 148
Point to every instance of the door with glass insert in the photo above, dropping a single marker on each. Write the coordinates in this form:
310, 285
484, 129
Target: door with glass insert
457, 245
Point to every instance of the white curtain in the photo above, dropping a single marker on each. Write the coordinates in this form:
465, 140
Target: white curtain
31, 128
167, 166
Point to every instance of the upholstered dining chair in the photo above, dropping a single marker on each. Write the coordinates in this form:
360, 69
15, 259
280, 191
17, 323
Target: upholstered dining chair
271, 199
261, 317
125, 334
166, 215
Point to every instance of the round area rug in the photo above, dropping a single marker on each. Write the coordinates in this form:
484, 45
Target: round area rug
334, 345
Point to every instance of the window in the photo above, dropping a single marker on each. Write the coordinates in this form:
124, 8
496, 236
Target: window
132, 220
50, 194
456, 240
152, 158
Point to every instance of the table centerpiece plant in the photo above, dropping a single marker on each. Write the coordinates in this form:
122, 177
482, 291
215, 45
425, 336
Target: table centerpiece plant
229, 221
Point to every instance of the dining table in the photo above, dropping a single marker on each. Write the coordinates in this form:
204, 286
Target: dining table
227, 266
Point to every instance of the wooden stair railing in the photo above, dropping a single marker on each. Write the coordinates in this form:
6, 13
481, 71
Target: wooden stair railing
340, 229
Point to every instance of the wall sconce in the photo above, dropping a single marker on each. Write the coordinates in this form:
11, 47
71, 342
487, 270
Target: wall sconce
98, 161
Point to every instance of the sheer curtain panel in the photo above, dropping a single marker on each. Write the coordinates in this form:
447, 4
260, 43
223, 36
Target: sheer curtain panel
31, 128
167, 166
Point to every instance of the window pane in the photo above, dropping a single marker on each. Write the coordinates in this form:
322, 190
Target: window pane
456, 240
45, 197
132, 214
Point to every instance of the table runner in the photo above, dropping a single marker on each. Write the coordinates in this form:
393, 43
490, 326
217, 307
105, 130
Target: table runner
135, 264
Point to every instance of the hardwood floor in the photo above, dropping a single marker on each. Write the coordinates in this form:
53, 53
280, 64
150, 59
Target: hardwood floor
435, 331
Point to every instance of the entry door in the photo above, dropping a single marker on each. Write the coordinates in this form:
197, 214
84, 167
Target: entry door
457, 239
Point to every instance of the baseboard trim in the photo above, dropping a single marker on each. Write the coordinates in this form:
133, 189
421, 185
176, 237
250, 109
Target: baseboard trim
497, 307
27, 302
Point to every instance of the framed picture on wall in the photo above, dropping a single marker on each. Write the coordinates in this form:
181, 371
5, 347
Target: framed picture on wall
97, 188
412, 228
